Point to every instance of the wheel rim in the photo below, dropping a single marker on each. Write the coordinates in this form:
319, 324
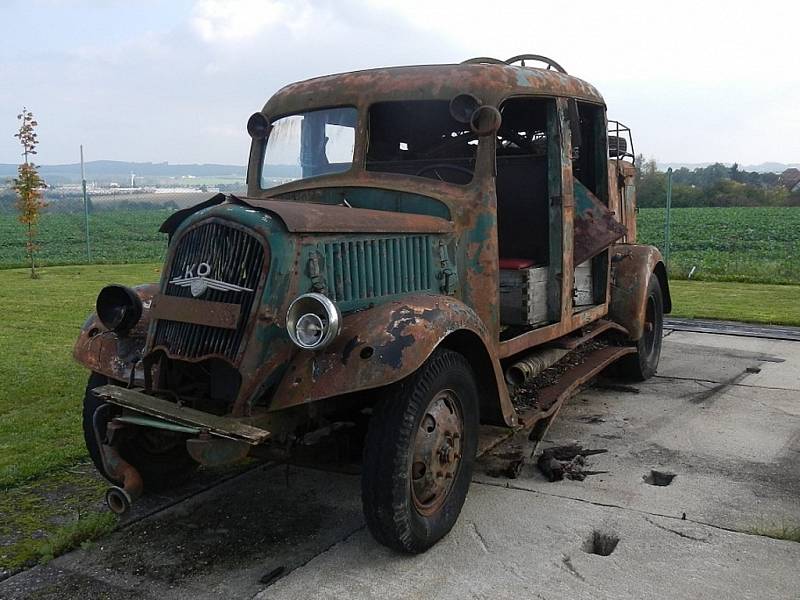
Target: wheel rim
437, 452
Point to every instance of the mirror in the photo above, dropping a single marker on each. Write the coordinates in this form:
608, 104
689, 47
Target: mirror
258, 126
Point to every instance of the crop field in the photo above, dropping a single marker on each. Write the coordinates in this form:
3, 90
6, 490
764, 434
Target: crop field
757, 245
116, 236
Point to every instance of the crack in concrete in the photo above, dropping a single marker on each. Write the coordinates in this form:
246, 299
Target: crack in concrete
676, 532
567, 562
309, 559
508, 485
740, 385
479, 536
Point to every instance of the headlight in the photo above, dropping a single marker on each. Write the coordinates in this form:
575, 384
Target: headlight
119, 308
313, 321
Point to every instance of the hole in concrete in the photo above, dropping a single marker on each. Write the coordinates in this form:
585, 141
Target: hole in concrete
659, 478
602, 544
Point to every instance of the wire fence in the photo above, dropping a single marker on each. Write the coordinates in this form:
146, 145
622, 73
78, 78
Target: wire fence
116, 228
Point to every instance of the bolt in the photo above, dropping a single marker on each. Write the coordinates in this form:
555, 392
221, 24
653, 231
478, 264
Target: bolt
448, 476
439, 474
456, 436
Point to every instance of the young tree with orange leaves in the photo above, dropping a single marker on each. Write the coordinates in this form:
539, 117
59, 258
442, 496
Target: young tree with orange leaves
28, 185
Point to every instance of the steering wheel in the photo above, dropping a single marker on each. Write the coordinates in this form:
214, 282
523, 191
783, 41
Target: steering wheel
443, 166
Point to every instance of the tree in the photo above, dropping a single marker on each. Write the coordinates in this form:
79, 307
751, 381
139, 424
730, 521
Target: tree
28, 185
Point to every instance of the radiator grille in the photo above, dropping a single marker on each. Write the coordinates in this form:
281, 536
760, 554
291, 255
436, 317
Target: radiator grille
234, 257
362, 269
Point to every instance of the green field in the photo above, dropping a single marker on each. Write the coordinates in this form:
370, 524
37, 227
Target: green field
757, 245
116, 236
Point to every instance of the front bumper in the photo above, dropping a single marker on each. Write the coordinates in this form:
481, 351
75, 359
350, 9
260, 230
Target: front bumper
227, 427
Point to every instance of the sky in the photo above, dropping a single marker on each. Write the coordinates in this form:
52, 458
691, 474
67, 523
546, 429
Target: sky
176, 80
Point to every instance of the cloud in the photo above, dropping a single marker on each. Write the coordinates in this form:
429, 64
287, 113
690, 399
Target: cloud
241, 20
176, 81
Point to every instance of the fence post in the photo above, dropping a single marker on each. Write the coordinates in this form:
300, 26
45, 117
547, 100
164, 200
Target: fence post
666, 218
85, 210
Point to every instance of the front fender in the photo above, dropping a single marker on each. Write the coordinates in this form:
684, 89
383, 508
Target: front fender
105, 352
379, 346
632, 266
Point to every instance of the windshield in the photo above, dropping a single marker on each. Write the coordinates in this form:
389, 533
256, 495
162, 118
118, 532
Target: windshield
308, 144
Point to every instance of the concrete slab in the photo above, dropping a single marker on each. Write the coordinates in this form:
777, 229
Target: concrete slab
727, 358
517, 544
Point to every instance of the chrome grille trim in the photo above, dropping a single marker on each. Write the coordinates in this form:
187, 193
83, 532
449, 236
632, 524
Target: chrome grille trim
235, 256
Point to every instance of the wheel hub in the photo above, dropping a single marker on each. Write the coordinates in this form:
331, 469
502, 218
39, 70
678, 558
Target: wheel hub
436, 452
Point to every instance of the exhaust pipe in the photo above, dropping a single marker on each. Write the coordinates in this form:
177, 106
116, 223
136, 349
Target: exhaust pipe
534, 363
118, 499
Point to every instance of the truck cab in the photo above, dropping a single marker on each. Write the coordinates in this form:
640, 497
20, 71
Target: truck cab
416, 246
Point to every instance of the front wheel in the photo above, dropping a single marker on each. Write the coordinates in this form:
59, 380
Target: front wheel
419, 454
642, 365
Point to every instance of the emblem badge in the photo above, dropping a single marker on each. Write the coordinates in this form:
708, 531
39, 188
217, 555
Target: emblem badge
199, 283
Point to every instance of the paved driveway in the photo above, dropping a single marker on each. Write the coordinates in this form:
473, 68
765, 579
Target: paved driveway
719, 425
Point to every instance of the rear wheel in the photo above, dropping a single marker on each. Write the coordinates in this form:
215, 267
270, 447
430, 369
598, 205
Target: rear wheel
419, 454
159, 456
643, 364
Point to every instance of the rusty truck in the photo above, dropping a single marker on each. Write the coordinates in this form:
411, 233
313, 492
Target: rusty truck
415, 246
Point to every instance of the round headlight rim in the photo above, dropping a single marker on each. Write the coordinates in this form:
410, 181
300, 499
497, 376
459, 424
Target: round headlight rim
332, 315
127, 299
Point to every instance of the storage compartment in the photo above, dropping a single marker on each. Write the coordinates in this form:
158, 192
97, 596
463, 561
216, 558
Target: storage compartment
523, 296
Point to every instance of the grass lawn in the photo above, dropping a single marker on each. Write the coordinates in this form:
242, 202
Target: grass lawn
748, 302
41, 388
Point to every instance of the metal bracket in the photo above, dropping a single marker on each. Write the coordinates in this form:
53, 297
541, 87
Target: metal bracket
447, 276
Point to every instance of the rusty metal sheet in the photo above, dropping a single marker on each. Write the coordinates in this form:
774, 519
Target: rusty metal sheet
489, 82
157, 407
382, 345
199, 312
632, 265
595, 225
326, 218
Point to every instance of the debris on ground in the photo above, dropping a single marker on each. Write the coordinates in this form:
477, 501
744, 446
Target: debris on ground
567, 461
526, 395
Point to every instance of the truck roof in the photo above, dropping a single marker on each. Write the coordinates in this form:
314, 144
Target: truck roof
491, 83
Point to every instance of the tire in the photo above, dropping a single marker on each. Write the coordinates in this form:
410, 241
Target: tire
416, 472
159, 456
643, 364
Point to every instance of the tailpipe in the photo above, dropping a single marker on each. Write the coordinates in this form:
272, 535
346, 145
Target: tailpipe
118, 498
534, 363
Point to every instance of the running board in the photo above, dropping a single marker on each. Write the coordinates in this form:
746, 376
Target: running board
537, 420
137, 400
